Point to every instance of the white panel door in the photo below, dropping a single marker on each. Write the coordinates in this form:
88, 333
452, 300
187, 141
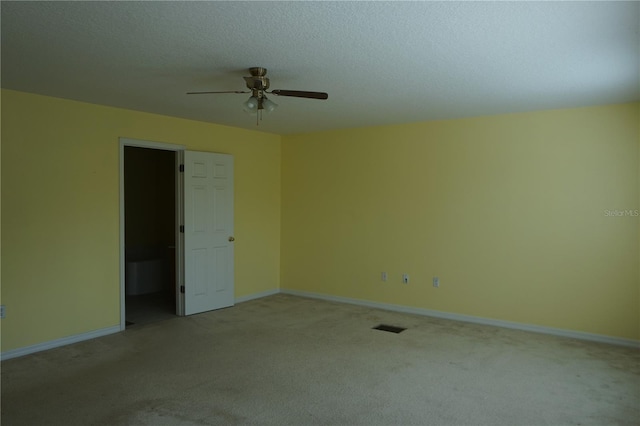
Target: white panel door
208, 231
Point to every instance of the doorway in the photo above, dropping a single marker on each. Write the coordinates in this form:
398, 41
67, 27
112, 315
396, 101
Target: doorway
152, 250
150, 244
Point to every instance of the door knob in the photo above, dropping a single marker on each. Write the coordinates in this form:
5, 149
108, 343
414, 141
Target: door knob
231, 239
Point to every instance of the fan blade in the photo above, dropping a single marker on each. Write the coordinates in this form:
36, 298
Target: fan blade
207, 93
301, 94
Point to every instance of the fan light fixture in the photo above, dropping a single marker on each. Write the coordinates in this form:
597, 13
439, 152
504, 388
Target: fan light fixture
268, 105
251, 105
257, 103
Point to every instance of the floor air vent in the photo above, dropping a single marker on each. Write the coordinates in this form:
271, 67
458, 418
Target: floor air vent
389, 328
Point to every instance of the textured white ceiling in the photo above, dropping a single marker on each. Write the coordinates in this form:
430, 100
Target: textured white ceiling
380, 62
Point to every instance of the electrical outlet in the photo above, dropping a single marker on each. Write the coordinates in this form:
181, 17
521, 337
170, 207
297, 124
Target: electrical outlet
383, 276
405, 278
436, 282
2, 311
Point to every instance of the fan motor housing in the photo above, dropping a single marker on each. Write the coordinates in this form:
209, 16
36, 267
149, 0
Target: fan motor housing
258, 79
257, 83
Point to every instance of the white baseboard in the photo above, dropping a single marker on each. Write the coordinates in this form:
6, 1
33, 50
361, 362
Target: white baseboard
14, 353
257, 295
468, 318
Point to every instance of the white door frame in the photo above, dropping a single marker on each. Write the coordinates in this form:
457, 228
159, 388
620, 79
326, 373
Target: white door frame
178, 203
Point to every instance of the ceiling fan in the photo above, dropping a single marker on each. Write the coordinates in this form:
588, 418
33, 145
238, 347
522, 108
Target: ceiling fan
258, 84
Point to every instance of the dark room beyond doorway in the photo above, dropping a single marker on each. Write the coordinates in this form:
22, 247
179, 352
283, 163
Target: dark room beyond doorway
149, 194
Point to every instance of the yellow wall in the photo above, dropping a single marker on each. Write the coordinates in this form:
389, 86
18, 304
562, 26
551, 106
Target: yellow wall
60, 210
509, 212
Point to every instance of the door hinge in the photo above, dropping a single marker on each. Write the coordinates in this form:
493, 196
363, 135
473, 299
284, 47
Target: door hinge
181, 289
182, 229
181, 168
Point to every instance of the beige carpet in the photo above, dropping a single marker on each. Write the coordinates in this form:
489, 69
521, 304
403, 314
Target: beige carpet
285, 360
